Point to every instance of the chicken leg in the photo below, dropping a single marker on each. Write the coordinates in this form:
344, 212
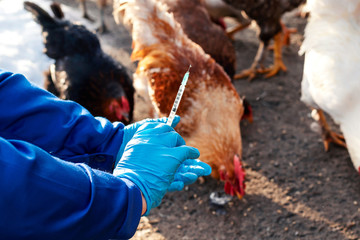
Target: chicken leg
278, 62
251, 72
327, 135
271, 71
101, 4
286, 37
84, 11
230, 32
287, 31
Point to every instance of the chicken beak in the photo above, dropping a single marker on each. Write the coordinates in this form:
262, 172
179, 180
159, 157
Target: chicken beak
125, 116
239, 195
250, 119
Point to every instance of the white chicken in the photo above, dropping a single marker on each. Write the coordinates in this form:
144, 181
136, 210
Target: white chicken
331, 78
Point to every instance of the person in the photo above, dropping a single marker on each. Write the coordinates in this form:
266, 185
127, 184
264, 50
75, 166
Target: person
65, 174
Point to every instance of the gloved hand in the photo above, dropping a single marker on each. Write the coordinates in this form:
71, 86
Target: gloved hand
151, 158
130, 130
188, 173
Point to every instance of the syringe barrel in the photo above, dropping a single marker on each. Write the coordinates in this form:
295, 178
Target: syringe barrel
175, 105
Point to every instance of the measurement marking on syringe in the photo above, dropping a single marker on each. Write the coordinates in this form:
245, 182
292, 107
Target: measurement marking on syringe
178, 98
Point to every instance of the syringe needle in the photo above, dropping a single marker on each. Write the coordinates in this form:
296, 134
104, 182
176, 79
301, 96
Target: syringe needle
178, 98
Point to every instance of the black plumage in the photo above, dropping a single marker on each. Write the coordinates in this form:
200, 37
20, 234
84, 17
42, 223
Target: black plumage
82, 71
267, 14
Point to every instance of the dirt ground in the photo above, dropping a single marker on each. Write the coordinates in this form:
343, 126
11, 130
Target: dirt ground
295, 190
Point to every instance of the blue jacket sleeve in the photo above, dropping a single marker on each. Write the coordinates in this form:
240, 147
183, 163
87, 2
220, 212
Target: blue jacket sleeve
43, 197
62, 128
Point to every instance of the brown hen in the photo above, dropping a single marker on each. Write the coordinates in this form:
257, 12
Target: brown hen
210, 109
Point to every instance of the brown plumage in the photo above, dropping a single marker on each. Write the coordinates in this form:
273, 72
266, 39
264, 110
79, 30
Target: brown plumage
210, 109
196, 23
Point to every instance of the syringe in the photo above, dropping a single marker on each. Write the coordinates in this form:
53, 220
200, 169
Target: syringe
178, 98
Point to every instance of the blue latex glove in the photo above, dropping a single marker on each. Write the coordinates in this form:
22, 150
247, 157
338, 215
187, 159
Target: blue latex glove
130, 130
188, 173
151, 158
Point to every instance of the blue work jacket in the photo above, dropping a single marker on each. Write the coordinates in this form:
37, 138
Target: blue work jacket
50, 185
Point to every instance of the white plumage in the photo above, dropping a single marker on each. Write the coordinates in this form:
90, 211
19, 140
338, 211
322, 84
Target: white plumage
331, 78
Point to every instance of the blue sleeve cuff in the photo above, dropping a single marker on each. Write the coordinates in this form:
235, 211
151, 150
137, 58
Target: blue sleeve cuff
125, 203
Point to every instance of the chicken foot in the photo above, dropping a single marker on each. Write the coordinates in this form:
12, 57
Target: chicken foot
251, 72
327, 135
278, 62
260, 55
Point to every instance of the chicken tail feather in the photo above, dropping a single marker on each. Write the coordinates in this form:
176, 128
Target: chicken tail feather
39, 14
56, 9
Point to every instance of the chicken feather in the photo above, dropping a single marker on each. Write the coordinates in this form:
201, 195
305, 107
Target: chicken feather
331, 77
267, 14
82, 71
195, 21
210, 109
